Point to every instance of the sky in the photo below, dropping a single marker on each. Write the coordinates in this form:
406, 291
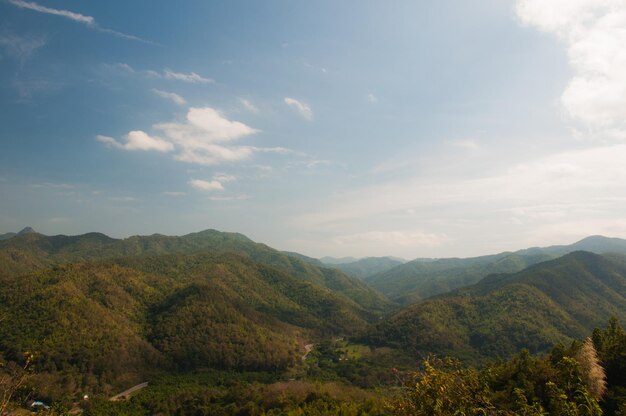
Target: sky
352, 128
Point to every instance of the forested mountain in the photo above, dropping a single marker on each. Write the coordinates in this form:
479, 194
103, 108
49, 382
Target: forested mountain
6, 236
337, 260
32, 251
104, 324
94, 315
422, 278
25, 230
550, 302
368, 266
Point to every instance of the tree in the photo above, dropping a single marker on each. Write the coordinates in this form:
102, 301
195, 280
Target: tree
443, 388
12, 378
593, 374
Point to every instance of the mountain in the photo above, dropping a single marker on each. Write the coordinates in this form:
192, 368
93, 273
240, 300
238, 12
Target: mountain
6, 236
26, 230
331, 261
102, 324
422, 278
550, 302
32, 251
368, 266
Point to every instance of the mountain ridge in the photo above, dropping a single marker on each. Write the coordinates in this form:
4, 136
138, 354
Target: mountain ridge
547, 303
32, 251
423, 278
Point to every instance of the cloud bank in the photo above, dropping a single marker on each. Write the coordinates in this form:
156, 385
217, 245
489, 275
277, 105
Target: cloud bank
594, 33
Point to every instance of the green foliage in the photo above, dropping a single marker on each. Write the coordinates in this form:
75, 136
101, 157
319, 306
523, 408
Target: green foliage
443, 388
29, 252
610, 344
545, 304
278, 398
521, 386
102, 326
422, 278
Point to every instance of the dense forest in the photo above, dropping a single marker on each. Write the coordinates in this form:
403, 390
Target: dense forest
554, 301
218, 324
423, 278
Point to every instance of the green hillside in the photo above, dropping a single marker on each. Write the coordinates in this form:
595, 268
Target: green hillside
100, 325
423, 278
32, 251
548, 303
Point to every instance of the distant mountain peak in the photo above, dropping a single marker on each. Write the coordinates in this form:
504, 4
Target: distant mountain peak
337, 260
26, 230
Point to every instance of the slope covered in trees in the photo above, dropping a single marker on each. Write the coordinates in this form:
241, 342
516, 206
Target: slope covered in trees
228, 318
548, 303
99, 325
28, 252
422, 278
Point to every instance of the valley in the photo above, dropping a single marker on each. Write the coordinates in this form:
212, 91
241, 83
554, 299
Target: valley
200, 316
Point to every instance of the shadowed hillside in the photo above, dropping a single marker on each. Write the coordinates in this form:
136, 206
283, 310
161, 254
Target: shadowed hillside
547, 303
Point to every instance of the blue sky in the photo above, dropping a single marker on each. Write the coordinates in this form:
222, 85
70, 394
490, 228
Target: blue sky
448, 128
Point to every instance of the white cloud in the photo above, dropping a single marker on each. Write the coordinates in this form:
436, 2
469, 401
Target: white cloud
138, 140
594, 33
303, 108
175, 98
191, 77
248, 105
206, 185
214, 126
52, 185
264, 170
467, 144
199, 137
212, 154
123, 66
77, 17
372, 98
21, 47
222, 177
230, 198
277, 150
88, 21
205, 137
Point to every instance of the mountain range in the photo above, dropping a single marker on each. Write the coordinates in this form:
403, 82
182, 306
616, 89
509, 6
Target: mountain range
422, 278
32, 251
101, 313
365, 267
547, 303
